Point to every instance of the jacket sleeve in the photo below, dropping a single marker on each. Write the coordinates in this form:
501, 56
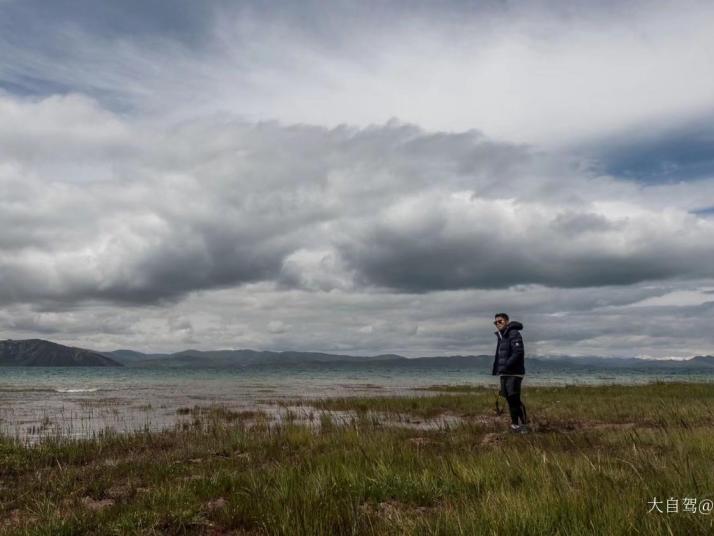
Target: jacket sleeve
517, 351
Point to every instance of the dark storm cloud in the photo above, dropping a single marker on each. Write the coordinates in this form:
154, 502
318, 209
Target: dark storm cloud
425, 259
112, 209
159, 266
214, 204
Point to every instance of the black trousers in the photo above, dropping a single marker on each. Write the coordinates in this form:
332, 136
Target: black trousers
511, 391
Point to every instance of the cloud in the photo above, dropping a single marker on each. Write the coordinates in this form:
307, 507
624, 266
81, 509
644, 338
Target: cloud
554, 74
150, 213
446, 241
584, 321
232, 175
277, 326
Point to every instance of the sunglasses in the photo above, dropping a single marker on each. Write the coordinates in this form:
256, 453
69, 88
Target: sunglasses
499, 322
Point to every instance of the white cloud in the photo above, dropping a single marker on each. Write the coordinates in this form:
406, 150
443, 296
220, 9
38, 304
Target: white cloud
222, 202
555, 75
277, 326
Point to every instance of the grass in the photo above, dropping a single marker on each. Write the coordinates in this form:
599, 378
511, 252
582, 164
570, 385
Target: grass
596, 456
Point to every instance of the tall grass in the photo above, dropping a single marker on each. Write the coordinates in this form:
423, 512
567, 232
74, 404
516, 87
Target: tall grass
596, 457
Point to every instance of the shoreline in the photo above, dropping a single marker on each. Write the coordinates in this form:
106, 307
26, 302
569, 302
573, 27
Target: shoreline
85, 414
32, 414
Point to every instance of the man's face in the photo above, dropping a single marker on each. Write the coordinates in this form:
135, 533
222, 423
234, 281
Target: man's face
500, 323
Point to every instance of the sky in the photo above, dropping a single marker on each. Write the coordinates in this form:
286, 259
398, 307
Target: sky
358, 177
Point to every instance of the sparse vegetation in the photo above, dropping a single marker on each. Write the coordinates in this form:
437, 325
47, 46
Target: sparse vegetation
596, 456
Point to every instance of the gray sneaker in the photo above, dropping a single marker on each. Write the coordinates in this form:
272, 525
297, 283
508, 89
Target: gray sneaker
519, 428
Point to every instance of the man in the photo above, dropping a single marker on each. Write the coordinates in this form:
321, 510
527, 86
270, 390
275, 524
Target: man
509, 365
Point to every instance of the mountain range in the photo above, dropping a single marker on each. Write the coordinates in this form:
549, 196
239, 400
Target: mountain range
38, 352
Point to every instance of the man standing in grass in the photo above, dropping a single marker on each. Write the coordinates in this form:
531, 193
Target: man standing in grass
509, 365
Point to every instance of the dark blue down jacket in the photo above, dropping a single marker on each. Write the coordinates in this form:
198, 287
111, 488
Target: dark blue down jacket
510, 351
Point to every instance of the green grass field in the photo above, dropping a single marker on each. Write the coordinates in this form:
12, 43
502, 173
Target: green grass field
595, 458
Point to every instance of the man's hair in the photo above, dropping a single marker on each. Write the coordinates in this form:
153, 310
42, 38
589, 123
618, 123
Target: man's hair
503, 315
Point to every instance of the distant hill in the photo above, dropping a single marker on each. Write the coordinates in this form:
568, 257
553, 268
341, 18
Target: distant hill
39, 353
629, 363
707, 360
251, 358
239, 358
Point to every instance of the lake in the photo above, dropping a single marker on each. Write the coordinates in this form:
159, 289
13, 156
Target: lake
80, 401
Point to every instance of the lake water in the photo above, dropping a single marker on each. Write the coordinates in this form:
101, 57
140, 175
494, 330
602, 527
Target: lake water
80, 401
